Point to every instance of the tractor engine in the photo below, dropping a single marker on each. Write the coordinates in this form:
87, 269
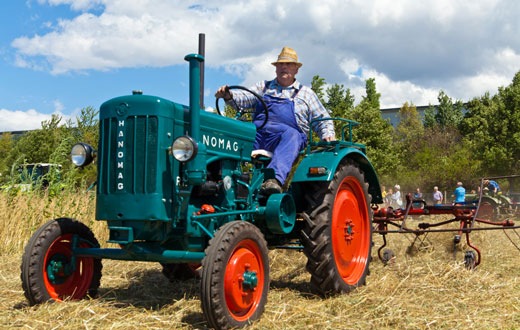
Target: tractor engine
157, 165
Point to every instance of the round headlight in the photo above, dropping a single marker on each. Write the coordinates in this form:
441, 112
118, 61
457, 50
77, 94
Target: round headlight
184, 148
82, 154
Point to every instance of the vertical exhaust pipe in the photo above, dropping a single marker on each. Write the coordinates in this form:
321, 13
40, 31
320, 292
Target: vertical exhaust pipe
202, 52
196, 168
194, 60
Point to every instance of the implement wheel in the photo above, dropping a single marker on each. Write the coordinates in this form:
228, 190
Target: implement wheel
49, 269
235, 276
470, 260
337, 236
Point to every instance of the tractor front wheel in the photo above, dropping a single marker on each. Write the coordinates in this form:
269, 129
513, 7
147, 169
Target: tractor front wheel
235, 276
50, 270
337, 236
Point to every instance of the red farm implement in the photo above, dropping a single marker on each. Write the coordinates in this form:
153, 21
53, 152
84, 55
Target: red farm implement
480, 212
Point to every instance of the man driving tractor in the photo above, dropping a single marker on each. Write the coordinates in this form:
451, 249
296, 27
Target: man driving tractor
291, 107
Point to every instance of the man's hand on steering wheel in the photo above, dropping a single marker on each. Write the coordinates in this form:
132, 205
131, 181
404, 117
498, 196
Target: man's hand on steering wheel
225, 93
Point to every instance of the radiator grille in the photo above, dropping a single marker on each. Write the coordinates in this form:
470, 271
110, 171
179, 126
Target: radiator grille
128, 155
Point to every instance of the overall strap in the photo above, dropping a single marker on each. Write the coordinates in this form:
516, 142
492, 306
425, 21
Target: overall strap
269, 82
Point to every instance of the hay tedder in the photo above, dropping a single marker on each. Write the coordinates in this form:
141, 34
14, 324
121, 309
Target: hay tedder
178, 186
480, 212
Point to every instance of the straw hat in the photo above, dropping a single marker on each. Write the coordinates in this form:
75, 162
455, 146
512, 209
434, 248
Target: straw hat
288, 55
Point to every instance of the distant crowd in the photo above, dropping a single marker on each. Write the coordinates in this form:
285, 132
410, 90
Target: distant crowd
392, 197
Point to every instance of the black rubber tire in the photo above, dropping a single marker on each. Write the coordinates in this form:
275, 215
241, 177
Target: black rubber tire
51, 243
222, 276
339, 262
488, 209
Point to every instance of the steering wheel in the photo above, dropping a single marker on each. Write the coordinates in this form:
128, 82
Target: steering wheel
242, 113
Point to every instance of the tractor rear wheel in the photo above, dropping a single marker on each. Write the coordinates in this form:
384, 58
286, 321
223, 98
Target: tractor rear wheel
50, 271
337, 236
235, 276
488, 209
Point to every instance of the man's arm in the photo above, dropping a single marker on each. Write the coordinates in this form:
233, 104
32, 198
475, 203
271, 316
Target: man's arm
242, 98
324, 128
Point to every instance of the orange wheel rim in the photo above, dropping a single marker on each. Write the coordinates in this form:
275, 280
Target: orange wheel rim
60, 283
350, 231
244, 279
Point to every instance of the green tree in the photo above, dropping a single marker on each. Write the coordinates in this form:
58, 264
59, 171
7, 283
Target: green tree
85, 129
340, 101
440, 159
430, 152
340, 104
375, 132
372, 96
38, 145
53, 143
6, 144
408, 141
317, 85
429, 116
448, 114
410, 129
491, 128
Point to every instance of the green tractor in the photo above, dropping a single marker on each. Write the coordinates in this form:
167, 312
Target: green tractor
497, 205
177, 185
35, 175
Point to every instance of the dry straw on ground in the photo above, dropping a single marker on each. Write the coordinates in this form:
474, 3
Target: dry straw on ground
426, 289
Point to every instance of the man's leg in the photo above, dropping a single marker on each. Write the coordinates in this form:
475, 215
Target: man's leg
284, 155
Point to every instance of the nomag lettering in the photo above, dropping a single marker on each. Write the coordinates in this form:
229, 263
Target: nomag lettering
219, 143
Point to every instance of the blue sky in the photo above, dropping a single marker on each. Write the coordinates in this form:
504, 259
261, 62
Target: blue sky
58, 56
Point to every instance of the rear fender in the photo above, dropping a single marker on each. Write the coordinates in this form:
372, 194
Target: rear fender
330, 161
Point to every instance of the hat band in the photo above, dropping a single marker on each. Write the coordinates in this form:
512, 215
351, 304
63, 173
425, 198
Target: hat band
287, 58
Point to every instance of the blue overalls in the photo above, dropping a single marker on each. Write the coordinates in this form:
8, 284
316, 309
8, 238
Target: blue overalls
281, 135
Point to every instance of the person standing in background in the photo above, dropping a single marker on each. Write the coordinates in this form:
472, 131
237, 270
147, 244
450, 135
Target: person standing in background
460, 194
417, 195
437, 196
397, 201
388, 199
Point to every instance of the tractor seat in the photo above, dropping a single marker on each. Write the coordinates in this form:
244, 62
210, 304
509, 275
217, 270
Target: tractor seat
261, 156
261, 153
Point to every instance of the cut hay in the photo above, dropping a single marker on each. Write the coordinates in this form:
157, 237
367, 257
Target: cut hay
426, 288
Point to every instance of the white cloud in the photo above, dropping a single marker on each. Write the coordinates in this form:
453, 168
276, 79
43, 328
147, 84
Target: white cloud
398, 92
58, 106
412, 48
21, 120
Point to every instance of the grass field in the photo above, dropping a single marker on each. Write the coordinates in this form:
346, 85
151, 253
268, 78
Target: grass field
427, 289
